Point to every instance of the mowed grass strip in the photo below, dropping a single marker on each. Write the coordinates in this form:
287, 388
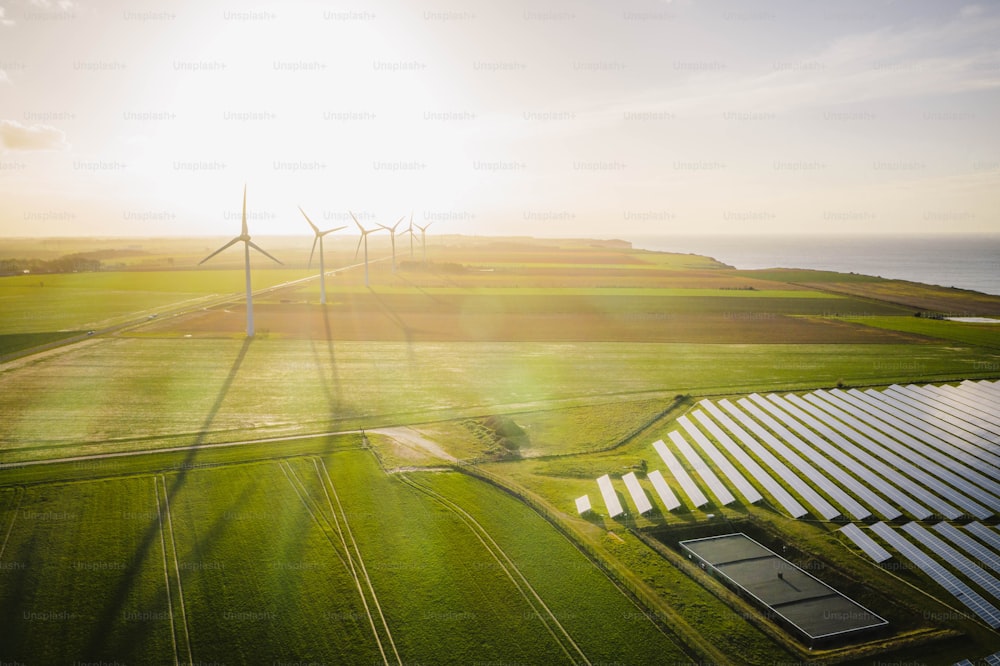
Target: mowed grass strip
82, 575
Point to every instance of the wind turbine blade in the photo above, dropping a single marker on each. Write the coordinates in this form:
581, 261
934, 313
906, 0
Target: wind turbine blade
314, 227
315, 240
235, 240
330, 231
397, 222
356, 222
245, 209
264, 252
358, 249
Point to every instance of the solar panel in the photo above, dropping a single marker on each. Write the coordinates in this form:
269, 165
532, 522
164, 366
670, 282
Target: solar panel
867, 545
949, 581
984, 418
924, 485
964, 662
985, 534
924, 413
970, 569
947, 468
834, 469
820, 481
704, 471
929, 433
582, 504
984, 556
981, 403
663, 490
993, 659
610, 496
920, 399
722, 462
946, 433
789, 503
793, 480
969, 404
832, 429
638, 495
687, 484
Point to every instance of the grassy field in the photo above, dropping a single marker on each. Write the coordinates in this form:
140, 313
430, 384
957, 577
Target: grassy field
309, 558
81, 301
129, 393
980, 335
304, 549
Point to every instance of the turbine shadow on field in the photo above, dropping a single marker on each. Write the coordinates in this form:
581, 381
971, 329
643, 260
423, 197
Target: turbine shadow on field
113, 611
330, 388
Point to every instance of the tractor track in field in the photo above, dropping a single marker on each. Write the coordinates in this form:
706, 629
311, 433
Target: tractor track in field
10, 528
333, 530
527, 591
166, 574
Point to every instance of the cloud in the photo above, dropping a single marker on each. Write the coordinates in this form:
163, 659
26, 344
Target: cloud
15, 136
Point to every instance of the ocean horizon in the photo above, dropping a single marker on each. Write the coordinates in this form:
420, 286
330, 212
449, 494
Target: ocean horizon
966, 261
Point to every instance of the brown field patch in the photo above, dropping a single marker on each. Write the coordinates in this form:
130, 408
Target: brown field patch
948, 300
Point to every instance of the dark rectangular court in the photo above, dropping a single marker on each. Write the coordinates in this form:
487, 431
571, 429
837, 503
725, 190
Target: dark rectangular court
797, 599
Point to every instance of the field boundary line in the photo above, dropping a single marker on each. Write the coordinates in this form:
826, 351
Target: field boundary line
483, 534
13, 519
180, 588
361, 562
166, 575
286, 468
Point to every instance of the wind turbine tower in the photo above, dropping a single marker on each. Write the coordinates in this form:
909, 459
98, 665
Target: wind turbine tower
364, 237
247, 244
322, 269
392, 237
423, 238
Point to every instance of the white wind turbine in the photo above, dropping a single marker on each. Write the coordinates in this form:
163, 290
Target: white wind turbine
319, 238
247, 244
392, 237
423, 238
364, 237
409, 230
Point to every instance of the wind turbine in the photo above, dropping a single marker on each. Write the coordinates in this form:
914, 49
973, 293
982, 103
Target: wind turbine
392, 236
409, 230
247, 244
364, 237
423, 238
319, 238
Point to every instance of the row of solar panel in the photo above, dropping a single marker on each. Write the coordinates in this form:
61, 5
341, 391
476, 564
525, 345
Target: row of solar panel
845, 444
965, 554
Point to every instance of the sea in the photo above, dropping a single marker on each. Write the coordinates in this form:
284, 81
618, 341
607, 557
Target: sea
967, 261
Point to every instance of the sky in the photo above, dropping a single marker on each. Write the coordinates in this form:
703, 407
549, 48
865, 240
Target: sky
549, 118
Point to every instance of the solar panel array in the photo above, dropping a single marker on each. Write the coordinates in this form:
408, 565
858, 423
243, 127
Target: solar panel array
642, 502
687, 484
919, 452
865, 543
949, 581
610, 496
583, 504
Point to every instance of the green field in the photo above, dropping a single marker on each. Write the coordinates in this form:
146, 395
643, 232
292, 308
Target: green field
216, 501
128, 393
81, 301
309, 558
